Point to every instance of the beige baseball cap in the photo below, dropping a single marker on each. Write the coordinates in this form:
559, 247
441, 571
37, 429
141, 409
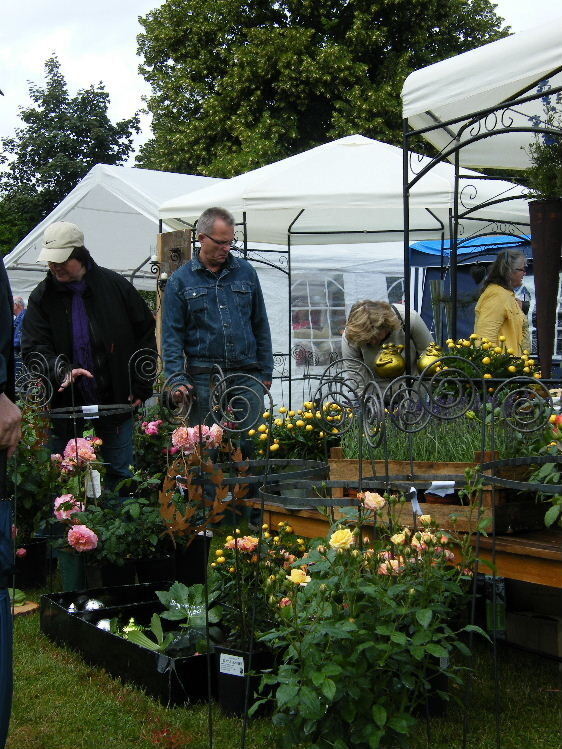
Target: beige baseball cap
59, 240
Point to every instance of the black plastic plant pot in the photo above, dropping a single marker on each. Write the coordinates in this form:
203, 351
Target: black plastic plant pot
191, 561
152, 570
109, 574
234, 694
173, 681
31, 566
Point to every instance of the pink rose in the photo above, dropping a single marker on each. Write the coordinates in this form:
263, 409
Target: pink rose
82, 538
243, 543
182, 439
285, 602
56, 457
66, 505
216, 433
21, 552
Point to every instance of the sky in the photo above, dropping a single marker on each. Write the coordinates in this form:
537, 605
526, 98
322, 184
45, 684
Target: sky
95, 40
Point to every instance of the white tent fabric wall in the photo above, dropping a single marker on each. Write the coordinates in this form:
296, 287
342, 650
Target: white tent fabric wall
484, 78
326, 282
117, 209
353, 184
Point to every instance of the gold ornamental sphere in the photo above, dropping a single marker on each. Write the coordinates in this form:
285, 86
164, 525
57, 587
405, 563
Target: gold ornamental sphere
429, 357
390, 363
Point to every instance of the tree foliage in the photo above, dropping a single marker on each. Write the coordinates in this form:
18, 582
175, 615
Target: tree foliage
63, 138
240, 84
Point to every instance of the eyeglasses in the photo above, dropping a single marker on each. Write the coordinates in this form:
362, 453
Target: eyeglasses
221, 242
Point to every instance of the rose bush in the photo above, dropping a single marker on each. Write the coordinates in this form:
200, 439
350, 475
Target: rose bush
364, 628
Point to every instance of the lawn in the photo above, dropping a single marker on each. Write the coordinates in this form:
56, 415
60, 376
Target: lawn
60, 702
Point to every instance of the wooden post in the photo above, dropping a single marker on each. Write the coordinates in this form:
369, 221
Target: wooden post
173, 248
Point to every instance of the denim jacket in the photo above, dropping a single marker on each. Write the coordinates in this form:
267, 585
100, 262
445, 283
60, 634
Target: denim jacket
216, 318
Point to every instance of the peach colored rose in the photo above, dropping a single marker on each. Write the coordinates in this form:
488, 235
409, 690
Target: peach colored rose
66, 506
82, 538
373, 501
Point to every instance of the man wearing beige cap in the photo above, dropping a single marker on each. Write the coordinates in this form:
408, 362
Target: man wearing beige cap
97, 320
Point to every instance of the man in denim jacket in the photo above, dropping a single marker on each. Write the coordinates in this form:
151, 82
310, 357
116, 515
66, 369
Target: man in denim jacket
214, 313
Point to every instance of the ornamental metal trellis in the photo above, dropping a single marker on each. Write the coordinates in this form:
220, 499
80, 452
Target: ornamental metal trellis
478, 125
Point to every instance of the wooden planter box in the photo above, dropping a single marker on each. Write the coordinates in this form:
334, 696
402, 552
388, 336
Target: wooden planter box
499, 507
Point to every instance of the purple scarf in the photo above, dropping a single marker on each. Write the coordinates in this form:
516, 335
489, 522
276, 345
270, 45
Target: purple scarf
82, 353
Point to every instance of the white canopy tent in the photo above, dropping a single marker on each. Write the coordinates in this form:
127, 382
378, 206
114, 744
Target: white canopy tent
117, 209
520, 65
353, 184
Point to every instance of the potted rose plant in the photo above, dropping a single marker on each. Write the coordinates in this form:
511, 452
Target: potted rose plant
366, 629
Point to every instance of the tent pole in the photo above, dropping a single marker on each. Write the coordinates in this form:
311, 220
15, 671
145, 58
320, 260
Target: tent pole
453, 257
407, 268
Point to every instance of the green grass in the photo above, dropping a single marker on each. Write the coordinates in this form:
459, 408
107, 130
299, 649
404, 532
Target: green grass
60, 702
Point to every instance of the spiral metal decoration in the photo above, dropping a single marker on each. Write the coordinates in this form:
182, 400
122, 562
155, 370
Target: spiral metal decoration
405, 403
452, 391
235, 405
336, 403
144, 366
304, 356
468, 195
351, 374
525, 404
176, 398
61, 370
372, 404
33, 385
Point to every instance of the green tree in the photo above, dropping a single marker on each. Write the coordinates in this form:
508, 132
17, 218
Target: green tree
63, 138
240, 84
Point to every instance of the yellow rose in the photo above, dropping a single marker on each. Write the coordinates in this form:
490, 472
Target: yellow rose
309, 427
290, 426
512, 368
425, 519
266, 414
273, 448
300, 423
308, 415
282, 410
299, 577
501, 338
341, 539
498, 350
278, 422
487, 376
262, 428
526, 370
263, 436
251, 432
398, 538
486, 360
308, 405
321, 434
291, 414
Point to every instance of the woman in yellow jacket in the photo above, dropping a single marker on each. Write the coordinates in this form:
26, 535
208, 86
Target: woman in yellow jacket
498, 312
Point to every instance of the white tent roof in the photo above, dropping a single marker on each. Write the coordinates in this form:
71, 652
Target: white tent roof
353, 184
483, 78
117, 209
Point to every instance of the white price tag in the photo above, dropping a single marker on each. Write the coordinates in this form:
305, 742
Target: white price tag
93, 484
413, 494
231, 664
90, 412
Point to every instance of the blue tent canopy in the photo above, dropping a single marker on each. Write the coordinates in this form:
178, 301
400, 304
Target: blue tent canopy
434, 258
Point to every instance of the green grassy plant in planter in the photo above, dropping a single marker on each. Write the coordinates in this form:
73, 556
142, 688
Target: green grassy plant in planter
366, 628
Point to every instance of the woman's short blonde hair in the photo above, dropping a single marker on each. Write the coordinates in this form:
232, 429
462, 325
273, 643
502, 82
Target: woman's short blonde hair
366, 319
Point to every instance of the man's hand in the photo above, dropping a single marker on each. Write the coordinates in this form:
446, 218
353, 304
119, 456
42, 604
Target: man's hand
10, 425
72, 377
136, 402
181, 392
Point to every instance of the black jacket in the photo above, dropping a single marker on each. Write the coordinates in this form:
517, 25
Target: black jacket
120, 324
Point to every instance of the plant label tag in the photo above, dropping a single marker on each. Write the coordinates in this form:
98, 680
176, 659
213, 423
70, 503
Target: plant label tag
231, 664
413, 494
93, 484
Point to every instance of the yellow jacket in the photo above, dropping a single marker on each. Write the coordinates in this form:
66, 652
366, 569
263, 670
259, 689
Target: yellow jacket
498, 313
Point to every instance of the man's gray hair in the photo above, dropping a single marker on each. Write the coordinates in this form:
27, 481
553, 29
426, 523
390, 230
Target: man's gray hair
206, 221
19, 301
